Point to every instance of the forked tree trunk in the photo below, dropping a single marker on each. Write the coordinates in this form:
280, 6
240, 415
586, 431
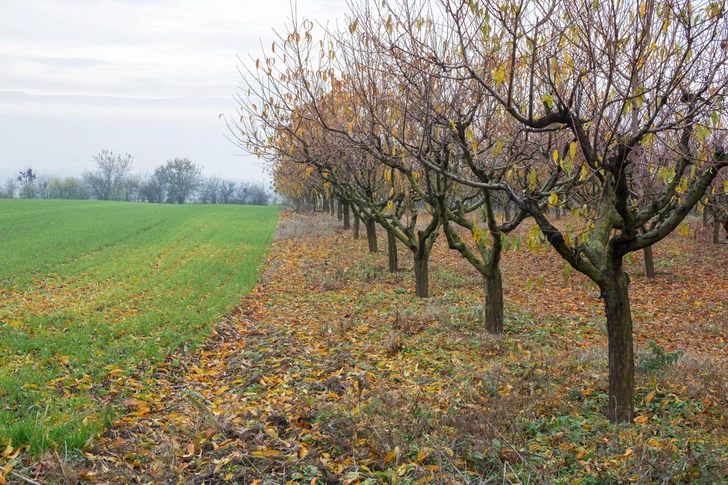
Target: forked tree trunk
346, 215
493, 310
356, 225
615, 291
422, 281
392, 251
371, 234
649, 263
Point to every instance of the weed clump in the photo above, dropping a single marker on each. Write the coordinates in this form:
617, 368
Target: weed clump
659, 358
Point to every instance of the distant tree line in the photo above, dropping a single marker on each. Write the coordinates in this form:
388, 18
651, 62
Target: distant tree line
175, 182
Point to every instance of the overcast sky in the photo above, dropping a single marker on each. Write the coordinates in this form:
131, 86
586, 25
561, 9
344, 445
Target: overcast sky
147, 77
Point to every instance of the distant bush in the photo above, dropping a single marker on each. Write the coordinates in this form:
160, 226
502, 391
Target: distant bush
67, 188
219, 191
9, 189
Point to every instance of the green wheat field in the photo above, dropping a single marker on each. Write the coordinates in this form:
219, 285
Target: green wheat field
93, 294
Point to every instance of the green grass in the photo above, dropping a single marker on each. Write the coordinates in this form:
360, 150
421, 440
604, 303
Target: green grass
94, 292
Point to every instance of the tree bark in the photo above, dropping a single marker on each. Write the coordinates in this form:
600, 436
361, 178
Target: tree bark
339, 211
493, 309
392, 251
326, 206
356, 225
346, 215
371, 234
649, 263
615, 292
422, 282
332, 207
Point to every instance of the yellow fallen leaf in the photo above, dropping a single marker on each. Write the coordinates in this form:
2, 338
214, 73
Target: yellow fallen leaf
422, 455
9, 448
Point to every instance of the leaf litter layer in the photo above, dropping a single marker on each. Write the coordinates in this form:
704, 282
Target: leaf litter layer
331, 371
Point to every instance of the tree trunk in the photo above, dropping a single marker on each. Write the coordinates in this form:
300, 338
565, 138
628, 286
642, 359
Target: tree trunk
371, 234
346, 215
356, 224
615, 292
493, 310
332, 207
339, 211
716, 230
649, 263
507, 210
392, 250
326, 206
422, 282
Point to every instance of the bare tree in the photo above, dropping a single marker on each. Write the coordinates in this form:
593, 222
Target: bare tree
227, 190
210, 192
107, 181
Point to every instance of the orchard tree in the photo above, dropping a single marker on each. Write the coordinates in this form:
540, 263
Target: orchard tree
716, 204
637, 87
433, 121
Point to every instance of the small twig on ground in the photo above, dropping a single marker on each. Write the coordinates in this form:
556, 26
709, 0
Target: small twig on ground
25, 479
